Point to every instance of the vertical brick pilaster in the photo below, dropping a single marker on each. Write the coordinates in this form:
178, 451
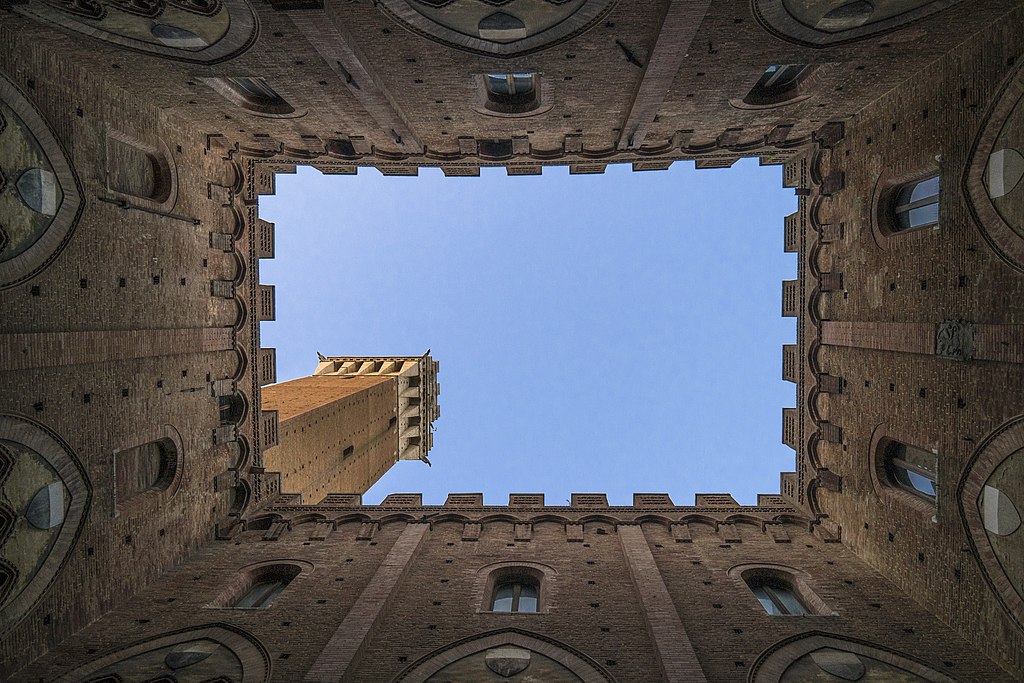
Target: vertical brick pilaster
678, 660
24, 350
882, 336
345, 646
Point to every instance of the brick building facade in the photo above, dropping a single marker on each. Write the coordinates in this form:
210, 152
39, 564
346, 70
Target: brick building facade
148, 514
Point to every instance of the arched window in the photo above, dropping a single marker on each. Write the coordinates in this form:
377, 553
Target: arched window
916, 205
778, 84
776, 594
515, 596
781, 590
261, 594
252, 93
258, 588
513, 94
149, 467
911, 469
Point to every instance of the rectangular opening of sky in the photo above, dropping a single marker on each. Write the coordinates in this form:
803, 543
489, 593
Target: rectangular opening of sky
614, 333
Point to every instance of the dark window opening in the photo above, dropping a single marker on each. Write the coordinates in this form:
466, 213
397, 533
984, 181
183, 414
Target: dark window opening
252, 93
149, 467
515, 93
264, 587
779, 83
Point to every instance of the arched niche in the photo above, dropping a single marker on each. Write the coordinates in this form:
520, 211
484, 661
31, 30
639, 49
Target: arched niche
822, 657
48, 498
208, 652
149, 469
202, 31
40, 196
820, 23
993, 181
140, 173
499, 655
991, 501
514, 28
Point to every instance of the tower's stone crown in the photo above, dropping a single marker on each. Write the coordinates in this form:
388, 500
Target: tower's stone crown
417, 394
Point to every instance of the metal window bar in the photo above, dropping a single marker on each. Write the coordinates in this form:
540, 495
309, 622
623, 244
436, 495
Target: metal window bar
905, 472
261, 594
913, 206
783, 600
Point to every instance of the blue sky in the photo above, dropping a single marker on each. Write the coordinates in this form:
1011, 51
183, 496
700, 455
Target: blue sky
612, 333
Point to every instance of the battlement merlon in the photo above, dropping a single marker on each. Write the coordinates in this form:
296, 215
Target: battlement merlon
417, 395
717, 502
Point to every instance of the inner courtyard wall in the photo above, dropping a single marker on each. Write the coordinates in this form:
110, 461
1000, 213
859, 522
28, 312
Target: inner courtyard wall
895, 290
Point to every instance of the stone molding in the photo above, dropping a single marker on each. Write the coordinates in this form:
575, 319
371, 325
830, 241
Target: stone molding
773, 662
63, 460
58, 233
1001, 444
587, 669
1004, 240
774, 17
402, 12
250, 652
242, 33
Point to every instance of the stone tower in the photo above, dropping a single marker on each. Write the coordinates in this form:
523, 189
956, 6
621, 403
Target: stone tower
343, 427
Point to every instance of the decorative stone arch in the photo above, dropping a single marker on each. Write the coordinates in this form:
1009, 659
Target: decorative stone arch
288, 569
96, 18
48, 226
841, 27
749, 520
990, 160
655, 520
489, 576
247, 652
172, 470
798, 580
884, 488
263, 521
549, 517
585, 668
980, 510
575, 18
74, 494
241, 495
772, 664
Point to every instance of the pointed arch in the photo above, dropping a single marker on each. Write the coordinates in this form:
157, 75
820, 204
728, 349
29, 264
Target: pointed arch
848, 653
581, 665
229, 644
56, 502
990, 504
